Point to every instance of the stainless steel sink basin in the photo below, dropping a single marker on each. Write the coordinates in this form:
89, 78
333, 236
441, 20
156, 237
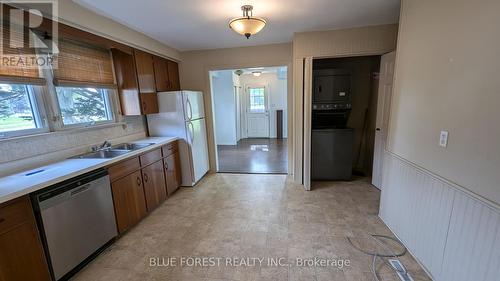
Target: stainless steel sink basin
102, 154
131, 146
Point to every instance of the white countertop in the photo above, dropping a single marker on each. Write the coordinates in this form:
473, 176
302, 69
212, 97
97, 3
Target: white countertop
20, 184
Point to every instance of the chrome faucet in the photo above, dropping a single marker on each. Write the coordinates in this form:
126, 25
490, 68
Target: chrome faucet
106, 144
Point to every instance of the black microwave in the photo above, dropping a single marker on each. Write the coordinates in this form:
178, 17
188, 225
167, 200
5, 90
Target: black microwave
331, 86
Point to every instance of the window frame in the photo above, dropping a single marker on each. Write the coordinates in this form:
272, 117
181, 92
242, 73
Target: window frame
35, 96
108, 100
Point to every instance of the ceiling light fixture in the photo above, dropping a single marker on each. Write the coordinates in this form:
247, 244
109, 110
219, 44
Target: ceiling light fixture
248, 24
257, 73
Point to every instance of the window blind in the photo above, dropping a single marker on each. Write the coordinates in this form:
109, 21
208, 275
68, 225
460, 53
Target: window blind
82, 65
17, 63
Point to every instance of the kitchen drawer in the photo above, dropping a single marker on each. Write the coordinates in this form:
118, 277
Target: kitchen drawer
14, 212
124, 168
150, 157
170, 148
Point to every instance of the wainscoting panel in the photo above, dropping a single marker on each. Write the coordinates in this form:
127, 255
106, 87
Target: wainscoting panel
417, 208
473, 244
453, 235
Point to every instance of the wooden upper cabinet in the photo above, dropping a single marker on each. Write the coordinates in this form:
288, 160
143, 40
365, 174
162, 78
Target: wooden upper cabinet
166, 75
173, 76
161, 74
126, 78
146, 79
21, 255
145, 72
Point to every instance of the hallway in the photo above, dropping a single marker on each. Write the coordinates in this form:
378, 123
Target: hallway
254, 156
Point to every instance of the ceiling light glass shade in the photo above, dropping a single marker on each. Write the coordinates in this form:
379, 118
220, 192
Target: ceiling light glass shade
256, 73
247, 25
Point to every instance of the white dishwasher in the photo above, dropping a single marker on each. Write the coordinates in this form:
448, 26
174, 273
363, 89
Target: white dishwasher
76, 219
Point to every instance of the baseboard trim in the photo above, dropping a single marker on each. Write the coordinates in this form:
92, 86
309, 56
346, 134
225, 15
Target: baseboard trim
409, 250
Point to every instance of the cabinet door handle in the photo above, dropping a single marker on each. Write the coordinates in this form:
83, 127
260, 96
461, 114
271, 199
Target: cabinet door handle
144, 106
146, 178
138, 181
2, 220
166, 166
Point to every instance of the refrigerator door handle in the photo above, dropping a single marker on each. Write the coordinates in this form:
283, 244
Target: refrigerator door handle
190, 109
191, 131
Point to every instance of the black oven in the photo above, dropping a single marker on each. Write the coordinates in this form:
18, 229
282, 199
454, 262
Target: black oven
329, 118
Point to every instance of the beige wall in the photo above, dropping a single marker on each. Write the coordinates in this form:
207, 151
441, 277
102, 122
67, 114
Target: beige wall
74, 15
371, 40
447, 78
195, 66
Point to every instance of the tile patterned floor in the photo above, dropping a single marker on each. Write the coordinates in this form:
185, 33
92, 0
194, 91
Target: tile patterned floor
261, 156
252, 216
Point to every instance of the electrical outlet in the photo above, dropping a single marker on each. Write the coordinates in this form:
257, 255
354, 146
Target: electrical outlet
443, 139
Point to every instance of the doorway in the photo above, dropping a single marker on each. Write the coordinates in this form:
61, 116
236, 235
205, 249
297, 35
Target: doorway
250, 119
350, 100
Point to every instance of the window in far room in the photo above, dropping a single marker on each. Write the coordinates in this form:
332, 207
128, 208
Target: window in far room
257, 99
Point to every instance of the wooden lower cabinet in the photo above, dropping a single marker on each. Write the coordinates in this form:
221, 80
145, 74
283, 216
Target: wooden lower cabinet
173, 172
21, 255
140, 184
129, 200
154, 185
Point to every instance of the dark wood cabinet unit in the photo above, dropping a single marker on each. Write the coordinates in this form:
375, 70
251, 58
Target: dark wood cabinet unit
142, 183
136, 82
154, 185
129, 200
172, 172
172, 164
173, 76
161, 74
21, 255
166, 75
145, 71
126, 79
146, 81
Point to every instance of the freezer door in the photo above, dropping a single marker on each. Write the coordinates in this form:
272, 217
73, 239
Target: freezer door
197, 138
170, 121
193, 105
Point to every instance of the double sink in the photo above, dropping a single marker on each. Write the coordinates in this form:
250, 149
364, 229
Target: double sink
114, 151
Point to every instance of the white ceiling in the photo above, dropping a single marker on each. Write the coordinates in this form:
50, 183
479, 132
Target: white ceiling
203, 24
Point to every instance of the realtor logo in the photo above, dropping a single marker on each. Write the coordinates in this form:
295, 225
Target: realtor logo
28, 33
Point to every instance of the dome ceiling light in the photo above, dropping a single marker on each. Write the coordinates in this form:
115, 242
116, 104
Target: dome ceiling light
248, 24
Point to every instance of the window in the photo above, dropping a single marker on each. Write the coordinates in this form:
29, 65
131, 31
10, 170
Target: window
257, 99
84, 105
19, 111
84, 81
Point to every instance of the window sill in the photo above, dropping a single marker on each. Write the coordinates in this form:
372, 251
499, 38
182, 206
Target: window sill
66, 130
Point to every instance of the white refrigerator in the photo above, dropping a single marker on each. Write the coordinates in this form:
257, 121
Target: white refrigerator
181, 114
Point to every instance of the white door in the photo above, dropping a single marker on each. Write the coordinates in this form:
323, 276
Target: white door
193, 102
257, 113
383, 110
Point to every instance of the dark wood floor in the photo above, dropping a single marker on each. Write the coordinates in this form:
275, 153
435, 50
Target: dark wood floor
259, 156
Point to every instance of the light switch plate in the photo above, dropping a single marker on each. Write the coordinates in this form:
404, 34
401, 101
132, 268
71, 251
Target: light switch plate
443, 139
